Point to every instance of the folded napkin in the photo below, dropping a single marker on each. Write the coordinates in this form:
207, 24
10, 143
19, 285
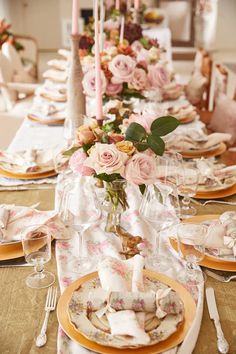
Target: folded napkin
172, 91
4, 217
127, 275
52, 90
182, 112
58, 64
19, 219
222, 235
55, 75
194, 140
31, 160
65, 53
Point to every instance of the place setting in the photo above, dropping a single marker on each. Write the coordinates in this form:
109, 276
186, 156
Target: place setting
104, 230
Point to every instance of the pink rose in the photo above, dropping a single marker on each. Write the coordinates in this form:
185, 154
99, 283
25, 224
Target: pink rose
122, 67
113, 89
111, 24
89, 82
141, 169
136, 46
106, 158
77, 161
144, 119
139, 79
143, 57
158, 76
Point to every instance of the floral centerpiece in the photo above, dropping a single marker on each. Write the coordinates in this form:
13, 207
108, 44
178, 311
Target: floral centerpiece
7, 36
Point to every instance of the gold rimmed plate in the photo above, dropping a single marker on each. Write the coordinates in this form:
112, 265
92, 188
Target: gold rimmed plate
217, 194
175, 339
208, 261
218, 150
31, 175
33, 118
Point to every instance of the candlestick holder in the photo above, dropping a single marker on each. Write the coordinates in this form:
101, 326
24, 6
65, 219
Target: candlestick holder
75, 96
136, 15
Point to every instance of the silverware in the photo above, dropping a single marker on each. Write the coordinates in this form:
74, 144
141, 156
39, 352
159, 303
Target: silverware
26, 187
222, 344
223, 278
211, 201
50, 305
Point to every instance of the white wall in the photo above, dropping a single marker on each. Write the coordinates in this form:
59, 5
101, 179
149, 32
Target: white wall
43, 19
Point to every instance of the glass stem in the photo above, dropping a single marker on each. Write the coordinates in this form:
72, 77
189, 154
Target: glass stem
190, 267
185, 202
39, 269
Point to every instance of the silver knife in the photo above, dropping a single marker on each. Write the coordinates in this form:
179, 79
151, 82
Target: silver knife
17, 262
222, 344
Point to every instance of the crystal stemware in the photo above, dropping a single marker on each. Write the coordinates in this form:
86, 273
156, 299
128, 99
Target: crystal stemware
188, 177
158, 207
80, 209
36, 243
191, 246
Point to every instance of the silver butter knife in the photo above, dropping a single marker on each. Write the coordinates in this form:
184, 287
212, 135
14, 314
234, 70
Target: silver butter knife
222, 344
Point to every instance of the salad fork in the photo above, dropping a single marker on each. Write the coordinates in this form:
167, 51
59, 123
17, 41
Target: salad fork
50, 305
222, 278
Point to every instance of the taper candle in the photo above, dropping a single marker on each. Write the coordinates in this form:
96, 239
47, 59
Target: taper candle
122, 27
98, 81
75, 15
118, 5
136, 4
102, 16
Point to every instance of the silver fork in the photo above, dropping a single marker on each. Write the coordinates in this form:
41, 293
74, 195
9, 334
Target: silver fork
222, 278
211, 201
50, 305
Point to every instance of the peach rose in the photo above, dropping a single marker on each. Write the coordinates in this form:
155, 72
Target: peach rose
85, 135
139, 79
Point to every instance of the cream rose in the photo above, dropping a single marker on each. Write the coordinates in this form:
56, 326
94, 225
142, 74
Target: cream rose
122, 68
106, 158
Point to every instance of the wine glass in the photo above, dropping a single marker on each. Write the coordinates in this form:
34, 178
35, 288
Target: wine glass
36, 243
158, 207
191, 246
187, 184
80, 209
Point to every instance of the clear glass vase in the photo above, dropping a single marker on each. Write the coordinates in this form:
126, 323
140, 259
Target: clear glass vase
115, 203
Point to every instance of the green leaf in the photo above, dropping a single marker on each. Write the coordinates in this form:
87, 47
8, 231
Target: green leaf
86, 147
142, 188
135, 132
142, 146
128, 93
145, 42
156, 144
71, 151
108, 178
164, 125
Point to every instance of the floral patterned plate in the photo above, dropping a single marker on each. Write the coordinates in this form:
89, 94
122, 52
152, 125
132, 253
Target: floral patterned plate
72, 316
227, 183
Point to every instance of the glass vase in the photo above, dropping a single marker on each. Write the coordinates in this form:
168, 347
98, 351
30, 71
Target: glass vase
115, 203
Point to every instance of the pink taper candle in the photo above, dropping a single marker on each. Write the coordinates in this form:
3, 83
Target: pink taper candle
75, 15
118, 5
98, 81
136, 4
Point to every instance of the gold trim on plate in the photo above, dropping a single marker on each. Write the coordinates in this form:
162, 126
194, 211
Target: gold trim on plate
175, 339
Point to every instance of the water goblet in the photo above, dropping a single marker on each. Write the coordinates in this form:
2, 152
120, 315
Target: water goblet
36, 243
191, 247
187, 184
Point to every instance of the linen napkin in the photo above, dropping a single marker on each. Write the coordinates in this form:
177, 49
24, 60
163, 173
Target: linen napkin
182, 112
172, 91
120, 275
31, 160
4, 217
19, 218
58, 64
46, 110
51, 90
55, 75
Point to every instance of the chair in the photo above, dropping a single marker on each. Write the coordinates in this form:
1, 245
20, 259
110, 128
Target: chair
29, 54
20, 73
12, 91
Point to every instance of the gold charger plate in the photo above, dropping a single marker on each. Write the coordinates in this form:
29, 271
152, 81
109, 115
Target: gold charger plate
53, 99
46, 122
11, 251
172, 341
186, 120
217, 194
35, 175
208, 261
204, 153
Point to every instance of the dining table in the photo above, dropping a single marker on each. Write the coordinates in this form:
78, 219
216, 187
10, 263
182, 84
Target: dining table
22, 308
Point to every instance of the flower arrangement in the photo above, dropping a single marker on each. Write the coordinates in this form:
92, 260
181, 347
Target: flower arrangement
110, 156
8, 36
